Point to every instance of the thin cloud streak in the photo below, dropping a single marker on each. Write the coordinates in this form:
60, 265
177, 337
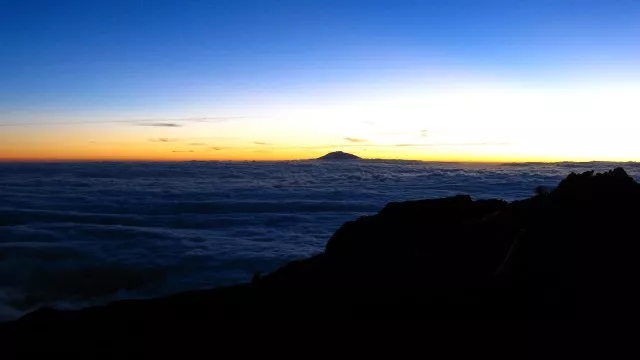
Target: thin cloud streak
163, 140
356, 140
161, 125
132, 121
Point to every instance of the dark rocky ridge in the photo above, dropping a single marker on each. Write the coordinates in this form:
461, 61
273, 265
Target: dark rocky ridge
339, 155
564, 255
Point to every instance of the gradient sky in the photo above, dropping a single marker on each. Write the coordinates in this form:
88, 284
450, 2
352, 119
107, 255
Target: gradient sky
512, 80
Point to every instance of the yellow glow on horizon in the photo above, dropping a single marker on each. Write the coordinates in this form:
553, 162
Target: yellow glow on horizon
484, 123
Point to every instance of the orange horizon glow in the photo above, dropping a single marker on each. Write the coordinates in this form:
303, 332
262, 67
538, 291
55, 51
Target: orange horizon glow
486, 123
276, 157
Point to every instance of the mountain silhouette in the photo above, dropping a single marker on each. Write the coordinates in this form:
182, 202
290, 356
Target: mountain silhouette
339, 155
452, 270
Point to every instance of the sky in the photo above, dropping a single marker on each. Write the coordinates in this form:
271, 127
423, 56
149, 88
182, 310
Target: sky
453, 80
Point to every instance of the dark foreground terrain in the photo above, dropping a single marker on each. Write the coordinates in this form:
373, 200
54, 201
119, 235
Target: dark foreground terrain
450, 273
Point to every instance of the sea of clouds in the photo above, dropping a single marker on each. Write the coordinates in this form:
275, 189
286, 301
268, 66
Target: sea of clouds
79, 234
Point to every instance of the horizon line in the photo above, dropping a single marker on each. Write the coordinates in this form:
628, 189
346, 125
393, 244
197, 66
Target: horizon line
148, 160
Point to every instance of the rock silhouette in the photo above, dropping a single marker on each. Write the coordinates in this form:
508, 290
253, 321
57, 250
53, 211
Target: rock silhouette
567, 254
339, 155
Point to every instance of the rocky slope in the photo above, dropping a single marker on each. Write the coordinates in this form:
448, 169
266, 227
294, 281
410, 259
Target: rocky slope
563, 255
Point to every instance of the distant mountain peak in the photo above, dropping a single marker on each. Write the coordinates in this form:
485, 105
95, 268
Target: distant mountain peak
339, 155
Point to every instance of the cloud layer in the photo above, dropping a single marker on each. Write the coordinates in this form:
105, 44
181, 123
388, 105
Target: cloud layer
75, 234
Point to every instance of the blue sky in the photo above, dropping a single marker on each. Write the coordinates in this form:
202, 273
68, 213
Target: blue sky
115, 60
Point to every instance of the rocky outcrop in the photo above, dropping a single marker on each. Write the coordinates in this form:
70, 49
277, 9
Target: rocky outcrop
564, 254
